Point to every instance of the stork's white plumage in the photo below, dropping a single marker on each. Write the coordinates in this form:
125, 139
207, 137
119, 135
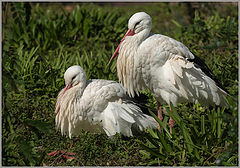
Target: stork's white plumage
163, 65
97, 106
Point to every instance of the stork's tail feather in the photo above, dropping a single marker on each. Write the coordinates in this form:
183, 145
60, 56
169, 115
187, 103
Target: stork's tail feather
125, 118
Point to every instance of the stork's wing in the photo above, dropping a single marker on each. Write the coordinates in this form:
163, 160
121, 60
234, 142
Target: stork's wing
99, 92
188, 76
177, 48
96, 97
194, 82
106, 103
202, 65
181, 49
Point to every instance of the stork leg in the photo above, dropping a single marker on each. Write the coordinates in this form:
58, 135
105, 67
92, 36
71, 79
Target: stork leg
171, 122
159, 114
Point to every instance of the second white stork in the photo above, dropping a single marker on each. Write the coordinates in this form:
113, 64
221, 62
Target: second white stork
97, 106
165, 66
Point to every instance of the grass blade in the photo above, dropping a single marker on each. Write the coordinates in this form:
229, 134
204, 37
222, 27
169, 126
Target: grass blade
161, 123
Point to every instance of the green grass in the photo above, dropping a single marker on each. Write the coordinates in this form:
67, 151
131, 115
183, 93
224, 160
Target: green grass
40, 41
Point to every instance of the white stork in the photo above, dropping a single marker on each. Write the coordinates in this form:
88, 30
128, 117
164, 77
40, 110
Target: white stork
165, 66
97, 106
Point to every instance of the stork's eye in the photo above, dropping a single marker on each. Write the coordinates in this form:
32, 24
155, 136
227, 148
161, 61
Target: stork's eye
74, 77
136, 24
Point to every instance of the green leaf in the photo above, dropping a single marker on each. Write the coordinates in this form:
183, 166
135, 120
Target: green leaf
26, 149
176, 23
42, 126
153, 151
202, 124
145, 153
166, 146
85, 27
161, 123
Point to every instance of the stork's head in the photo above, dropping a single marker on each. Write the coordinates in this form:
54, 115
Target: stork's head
73, 76
139, 22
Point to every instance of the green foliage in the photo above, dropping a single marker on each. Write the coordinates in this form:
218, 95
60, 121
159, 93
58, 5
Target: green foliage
197, 136
41, 42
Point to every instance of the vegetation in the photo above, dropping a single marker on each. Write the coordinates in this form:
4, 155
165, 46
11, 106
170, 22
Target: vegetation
40, 41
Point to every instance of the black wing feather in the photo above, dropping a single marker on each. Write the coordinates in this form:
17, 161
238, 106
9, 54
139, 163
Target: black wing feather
202, 65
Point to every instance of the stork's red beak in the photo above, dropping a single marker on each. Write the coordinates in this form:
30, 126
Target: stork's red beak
57, 109
68, 86
129, 33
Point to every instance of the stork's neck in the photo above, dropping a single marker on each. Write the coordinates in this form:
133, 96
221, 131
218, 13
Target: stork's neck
127, 67
67, 104
79, 88
141, 36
